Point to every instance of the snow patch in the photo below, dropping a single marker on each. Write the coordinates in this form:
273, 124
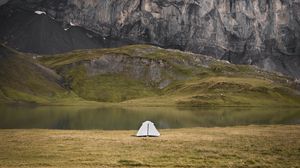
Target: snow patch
36, 56
227, 62
72, 24
224, 61
40, 12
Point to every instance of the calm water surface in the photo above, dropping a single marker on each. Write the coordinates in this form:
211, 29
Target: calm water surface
117, 118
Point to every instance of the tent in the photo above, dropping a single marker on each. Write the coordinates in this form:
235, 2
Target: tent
148, 130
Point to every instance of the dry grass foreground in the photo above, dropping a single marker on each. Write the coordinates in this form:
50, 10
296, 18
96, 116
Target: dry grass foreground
244, 146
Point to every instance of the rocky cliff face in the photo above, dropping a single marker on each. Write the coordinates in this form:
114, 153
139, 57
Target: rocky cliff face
259, 32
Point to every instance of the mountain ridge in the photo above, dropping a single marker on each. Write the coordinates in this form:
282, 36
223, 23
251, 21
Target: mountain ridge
260, 32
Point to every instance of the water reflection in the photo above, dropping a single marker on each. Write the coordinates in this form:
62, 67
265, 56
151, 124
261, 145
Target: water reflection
117, 118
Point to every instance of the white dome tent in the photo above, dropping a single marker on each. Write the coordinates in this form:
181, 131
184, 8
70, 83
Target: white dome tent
148, 130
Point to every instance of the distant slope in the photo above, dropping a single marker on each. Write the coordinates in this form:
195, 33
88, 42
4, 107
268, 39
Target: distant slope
148, 75
30, 32
139, 75
23, 80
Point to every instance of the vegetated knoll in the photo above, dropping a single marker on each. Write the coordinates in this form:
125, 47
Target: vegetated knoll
155, 76
23, 80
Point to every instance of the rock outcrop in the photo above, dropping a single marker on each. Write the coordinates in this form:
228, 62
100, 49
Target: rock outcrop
265, 33
143, 71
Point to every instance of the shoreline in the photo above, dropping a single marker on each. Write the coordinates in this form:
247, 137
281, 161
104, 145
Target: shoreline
160, 129
125, 104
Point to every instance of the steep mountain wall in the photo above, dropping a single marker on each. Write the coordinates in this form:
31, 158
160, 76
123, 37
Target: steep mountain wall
259, 32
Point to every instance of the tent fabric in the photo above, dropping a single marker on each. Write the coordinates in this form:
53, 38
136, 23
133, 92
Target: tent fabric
148, 129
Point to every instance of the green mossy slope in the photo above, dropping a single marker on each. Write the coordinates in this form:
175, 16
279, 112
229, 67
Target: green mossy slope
23, 80
192, 80
108, 87
140, 75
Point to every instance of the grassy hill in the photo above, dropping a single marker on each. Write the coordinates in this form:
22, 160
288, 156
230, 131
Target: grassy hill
139, 75
148, 75
23, 80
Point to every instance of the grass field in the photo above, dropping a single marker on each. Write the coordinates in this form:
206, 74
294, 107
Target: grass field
243, 146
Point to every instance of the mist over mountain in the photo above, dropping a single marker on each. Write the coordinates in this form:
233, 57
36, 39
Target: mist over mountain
257, 32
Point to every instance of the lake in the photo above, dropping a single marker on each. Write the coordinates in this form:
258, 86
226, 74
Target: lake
130, 118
